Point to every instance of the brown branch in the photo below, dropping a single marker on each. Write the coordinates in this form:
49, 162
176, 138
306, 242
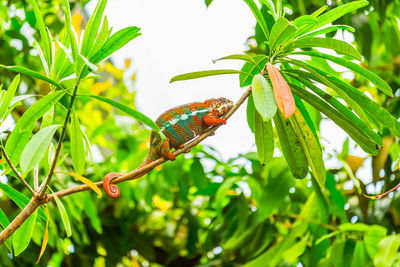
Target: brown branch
16, 172
36, 202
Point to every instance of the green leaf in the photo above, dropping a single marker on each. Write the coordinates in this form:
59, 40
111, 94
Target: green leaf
238, 56
20, 135
64, 216
72, 37
4, 222
281, 32
8, 97
291, 147
264, 136
31, 73
101, 38
77, 145
131, 112
205, 73
360, 257
339, 46
42, 58
43, 33
250, 112
36, 148
249, 70
92, 27
115, 42
19, 199
304, 20
330, 29
310, 146
259, 17
387, 251
270, 5
263, 97
23, 235
379, 82
294, 252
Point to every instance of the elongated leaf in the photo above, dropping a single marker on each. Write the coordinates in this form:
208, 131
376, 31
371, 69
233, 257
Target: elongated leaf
259, 17
387, 251
86, 181
131, 112
43, 33
263, 97
291, 147
330, 29
283, 96
4, 222
101, 38
31, 73
18, 198
250, 110
238, 56
205, 73
72, 37
64, 216
42, 58
23, 234
379, 82
264, 136
36, 148
45, 237
249, 70
366, 143
92, 28
77, 145
339, 46
304, 20
115, 42
281, 32
270, 5
310, 147
23, 129
8, 97
20, 98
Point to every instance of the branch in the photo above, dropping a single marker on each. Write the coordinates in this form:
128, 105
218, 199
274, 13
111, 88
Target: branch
16, 172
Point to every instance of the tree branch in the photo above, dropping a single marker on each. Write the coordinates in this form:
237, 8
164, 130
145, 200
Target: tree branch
16, 172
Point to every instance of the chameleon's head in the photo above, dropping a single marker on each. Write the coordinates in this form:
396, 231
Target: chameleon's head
221, 105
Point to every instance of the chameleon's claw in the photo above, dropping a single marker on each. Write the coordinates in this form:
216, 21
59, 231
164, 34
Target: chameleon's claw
111, 190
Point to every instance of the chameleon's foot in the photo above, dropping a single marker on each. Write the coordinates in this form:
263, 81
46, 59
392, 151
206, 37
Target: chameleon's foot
183, 146
211, 120
111, 190
166, 151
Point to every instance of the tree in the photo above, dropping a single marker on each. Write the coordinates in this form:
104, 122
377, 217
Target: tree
181, 215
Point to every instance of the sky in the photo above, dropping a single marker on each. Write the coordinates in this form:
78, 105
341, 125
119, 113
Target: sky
180, 36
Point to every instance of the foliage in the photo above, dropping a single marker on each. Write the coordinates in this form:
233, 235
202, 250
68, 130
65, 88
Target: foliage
200, 210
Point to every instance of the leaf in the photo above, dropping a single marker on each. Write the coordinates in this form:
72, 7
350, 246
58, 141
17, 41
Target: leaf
8, 97
291, 147
45, 237
249, 69
387, 251
259, 17
4, 222
205, 73
281, 32
131, 112
283, 96
86, 181
263, 97
36, 148
310, 146
250, 112
101, 38
31, 73
304, 20
22, 236
18, 198
64, 215
270, 5
293, 253
92, 27
115, 42
72, 37
379, 82
238, 56
77, 145
330, 29
20, 135
43, 33
360, 257
42, 58
339, 46
264, 136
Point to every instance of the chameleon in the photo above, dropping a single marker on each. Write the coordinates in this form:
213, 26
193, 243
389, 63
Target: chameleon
179, 125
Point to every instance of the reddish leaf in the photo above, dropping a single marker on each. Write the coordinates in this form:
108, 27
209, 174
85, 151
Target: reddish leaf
45, 237
283, 96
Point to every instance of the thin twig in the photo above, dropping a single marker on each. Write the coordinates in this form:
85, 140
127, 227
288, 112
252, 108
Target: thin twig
36, 178
46, 182
16, 172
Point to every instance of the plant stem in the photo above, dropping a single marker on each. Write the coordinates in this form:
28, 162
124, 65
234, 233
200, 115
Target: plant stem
46, 182
16, 172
